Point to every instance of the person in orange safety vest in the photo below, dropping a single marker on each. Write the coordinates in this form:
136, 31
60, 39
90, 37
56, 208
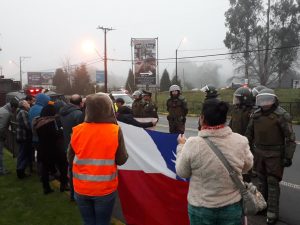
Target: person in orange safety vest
96, 148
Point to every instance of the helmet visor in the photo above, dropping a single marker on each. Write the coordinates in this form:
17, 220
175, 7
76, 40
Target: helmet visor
205, 89
265, 99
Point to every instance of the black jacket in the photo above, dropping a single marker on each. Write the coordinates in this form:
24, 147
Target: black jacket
124, 115
70, 116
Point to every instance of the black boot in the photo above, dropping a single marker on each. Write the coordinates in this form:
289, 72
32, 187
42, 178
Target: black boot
271, 221
21, 174
64, 187
47, 188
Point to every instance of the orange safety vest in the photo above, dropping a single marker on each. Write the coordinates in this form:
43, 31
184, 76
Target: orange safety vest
94, 167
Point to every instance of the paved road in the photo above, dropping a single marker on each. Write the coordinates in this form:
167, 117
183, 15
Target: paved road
290, 186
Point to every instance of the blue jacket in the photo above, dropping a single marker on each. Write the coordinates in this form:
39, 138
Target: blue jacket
35, 111
41, 101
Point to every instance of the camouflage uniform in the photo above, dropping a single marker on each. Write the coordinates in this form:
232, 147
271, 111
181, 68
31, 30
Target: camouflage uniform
240, 116
177, 108
149, 109
138, 108
273, 139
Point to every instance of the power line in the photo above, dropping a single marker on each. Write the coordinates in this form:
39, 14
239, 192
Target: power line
93, 61
219, 54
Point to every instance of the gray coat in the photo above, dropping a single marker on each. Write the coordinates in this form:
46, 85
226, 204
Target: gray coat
5, 115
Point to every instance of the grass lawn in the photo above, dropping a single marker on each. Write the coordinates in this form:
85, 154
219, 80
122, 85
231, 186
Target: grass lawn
22, 202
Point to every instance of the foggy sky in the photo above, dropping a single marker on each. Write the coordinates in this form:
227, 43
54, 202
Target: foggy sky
51, 30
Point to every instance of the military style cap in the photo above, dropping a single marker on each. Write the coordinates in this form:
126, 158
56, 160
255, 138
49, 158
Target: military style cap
146, 93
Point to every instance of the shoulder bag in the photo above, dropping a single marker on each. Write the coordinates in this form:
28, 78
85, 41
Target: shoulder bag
252, 200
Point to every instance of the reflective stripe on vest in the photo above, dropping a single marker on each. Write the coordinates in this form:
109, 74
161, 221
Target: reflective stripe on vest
94, 168
96, 178
94, 162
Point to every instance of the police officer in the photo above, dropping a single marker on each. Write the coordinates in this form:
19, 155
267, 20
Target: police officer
270, 131
242, 109
137, 105
255, 92
177, 108
149, 107
257, 89
210, 91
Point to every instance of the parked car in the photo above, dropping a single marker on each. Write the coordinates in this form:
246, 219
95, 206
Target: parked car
127, 98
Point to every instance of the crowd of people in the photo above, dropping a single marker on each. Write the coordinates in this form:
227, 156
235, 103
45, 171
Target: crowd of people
258, 142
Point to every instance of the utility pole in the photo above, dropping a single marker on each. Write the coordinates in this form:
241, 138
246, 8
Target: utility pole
22, 58
176, 51
176, 66
105, 29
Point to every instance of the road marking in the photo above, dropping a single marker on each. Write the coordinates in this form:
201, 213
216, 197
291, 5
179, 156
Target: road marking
290, 185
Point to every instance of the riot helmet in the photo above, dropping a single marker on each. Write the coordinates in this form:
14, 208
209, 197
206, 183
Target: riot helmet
243, 96
174, 91
257, 89
210, 91
266, 98
174, 88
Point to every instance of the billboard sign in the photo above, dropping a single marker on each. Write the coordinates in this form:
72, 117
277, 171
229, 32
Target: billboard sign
47, 78
40, 78
34, 78
99, 76
144, 61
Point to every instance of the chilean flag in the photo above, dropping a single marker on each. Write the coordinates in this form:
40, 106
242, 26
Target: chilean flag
149, 190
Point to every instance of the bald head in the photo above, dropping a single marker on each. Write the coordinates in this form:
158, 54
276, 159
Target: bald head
76, 99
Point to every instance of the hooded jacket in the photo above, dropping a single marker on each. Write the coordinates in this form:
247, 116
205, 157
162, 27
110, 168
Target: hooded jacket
99, 110
41, 101
70, 116
35, 111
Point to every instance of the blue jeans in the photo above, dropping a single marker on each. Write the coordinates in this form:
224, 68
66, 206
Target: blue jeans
24, 155
96, 210
227, 215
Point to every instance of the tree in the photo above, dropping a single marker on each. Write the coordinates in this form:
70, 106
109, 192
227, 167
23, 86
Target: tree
130, 82
61, 81
178, 82
81, 81
286, 33
241, 20
272, 31
165, 81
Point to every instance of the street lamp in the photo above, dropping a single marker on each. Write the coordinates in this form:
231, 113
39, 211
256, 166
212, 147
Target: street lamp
105, 29
182, 40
